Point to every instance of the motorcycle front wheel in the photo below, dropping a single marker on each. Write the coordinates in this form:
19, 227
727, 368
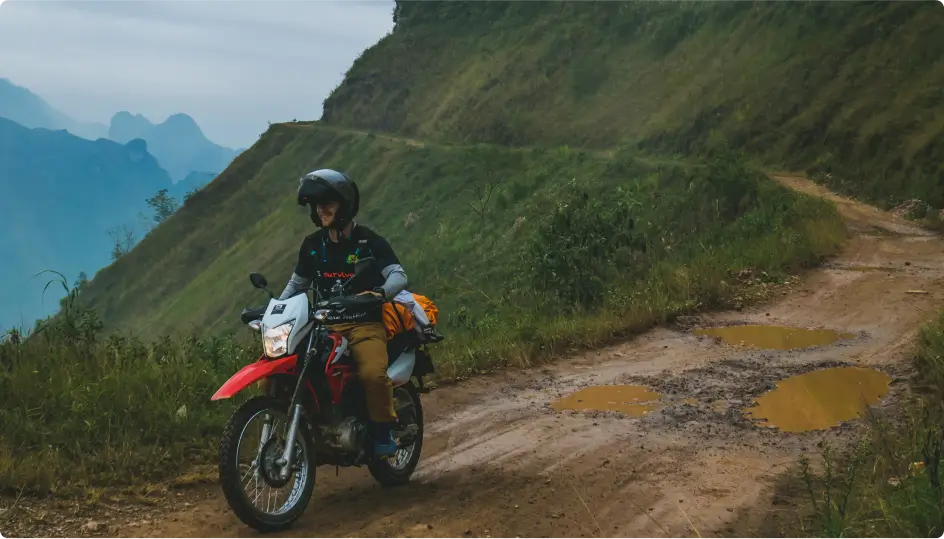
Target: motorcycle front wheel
252, 441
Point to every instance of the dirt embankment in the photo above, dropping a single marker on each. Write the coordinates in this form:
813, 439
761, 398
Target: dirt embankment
500, 460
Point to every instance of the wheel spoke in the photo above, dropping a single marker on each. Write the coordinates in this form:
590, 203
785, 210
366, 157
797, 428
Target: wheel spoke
260, 470
252, 469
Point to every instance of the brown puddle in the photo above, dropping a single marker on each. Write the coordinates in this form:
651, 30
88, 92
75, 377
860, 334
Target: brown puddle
774, 337
634, 401
819, 399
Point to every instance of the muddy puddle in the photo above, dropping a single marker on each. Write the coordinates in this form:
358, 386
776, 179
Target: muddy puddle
774, 337
819, 399
634, 401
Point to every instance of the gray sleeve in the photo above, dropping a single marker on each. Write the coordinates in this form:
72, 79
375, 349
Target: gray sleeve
396, 280
295, 284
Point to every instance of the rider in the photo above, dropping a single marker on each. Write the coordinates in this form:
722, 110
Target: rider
328, 257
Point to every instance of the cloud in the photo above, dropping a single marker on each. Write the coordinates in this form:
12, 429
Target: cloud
232, 65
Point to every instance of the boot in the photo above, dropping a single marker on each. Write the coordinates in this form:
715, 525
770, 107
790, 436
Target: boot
384, 444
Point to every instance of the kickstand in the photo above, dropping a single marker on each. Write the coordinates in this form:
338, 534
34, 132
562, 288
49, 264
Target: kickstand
337, 470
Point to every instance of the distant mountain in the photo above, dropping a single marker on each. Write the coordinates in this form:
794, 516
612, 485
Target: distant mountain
59, 196
28, 109
178, 143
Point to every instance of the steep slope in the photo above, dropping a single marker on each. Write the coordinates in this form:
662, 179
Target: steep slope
193, 182
853, 91
177, 143
520, 261
59, 196
28, 109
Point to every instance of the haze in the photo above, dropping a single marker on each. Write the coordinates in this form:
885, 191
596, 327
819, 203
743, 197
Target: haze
232, 65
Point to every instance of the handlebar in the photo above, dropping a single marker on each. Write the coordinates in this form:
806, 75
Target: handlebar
338, 305
248, 315
351, 303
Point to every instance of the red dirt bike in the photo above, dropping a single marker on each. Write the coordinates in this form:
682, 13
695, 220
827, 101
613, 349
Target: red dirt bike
313, 411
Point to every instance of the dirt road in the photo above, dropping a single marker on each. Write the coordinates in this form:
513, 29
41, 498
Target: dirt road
499, 460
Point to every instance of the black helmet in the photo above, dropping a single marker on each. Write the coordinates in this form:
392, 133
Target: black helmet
325, 185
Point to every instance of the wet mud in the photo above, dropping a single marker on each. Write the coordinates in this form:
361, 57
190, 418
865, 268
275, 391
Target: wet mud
633, 401
774, 337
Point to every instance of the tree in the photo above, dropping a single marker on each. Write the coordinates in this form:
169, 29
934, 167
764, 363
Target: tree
123, 236
484, 186
80, 282
163, 205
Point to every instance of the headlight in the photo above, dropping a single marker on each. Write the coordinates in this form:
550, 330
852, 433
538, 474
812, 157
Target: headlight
275, 340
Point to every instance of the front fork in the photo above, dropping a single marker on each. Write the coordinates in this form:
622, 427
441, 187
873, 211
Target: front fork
286, 461
295, 410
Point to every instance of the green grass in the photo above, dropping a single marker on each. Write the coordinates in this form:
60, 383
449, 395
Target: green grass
83, 408
890, 483
577, 249
851, 91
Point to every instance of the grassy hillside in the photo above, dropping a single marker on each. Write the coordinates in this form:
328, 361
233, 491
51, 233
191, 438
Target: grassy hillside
542, 269
191, 273
852, 91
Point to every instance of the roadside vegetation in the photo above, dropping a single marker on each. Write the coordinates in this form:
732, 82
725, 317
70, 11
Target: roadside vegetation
80, 407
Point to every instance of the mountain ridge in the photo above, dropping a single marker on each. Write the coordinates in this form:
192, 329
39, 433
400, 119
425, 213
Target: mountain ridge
26, 108
177, 142
60, 210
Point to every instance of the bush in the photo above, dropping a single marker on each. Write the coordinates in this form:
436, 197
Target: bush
573, 255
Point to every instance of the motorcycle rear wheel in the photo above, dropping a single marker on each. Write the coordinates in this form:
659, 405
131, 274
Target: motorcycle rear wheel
232, 478
396, 470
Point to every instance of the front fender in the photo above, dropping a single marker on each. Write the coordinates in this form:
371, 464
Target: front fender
252, 373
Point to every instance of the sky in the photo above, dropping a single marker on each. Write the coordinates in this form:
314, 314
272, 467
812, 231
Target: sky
233, 65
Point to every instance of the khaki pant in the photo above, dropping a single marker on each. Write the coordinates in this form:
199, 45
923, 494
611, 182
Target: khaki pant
368, 344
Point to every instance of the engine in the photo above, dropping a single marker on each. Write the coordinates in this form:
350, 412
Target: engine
346, 436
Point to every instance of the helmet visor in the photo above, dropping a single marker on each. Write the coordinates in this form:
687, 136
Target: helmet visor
320, 193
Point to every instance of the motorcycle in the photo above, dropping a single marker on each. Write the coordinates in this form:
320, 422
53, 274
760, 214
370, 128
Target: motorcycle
312, 410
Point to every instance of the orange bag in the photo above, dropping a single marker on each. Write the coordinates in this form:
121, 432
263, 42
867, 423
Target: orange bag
393, 313
428, 307
397, 318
